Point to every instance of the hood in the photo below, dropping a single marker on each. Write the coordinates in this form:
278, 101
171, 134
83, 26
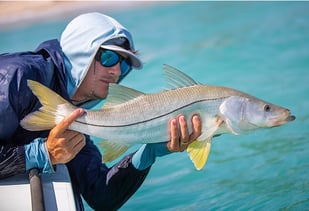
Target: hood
82, 38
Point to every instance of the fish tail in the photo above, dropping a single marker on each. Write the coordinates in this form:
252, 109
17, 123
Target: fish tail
54, 109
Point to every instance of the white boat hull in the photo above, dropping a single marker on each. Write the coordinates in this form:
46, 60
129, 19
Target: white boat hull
58, 195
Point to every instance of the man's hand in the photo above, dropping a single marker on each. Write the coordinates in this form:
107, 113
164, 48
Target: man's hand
180, 137
63, 144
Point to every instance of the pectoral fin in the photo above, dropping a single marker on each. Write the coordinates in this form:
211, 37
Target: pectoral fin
209, 128
112, 150
198, 152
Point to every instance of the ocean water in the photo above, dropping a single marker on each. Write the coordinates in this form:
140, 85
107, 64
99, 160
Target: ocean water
261, 48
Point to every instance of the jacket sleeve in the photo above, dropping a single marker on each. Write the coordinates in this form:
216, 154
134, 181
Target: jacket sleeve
17, 159
104, 188
16, 101
12, 161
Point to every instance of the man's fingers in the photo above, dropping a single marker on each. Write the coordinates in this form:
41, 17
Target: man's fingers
173, 144
63, 144
63, 149
65, 123
196, 128
79, 144
73, 138
184, 133
76, 143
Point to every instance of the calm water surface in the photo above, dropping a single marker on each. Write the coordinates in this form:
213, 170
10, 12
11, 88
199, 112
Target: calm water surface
261, 48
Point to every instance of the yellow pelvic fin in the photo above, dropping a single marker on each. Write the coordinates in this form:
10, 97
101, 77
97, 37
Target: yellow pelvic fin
198, 152
45, 118
112, 150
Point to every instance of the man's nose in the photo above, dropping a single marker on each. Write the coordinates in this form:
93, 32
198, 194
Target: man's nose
115, 70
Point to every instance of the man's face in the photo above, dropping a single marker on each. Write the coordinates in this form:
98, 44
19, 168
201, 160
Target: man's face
96, 82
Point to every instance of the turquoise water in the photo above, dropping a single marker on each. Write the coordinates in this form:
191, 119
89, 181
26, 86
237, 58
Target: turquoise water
261, 48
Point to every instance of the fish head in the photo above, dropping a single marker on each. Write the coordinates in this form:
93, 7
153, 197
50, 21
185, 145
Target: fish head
244, 113
266, 115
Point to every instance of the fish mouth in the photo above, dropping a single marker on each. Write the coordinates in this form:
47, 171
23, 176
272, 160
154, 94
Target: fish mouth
285, 119
290, 118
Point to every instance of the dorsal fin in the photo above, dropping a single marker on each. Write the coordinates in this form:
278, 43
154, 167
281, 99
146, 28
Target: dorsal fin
118, 94
174, 78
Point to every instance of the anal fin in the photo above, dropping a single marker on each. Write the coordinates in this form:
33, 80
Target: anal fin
112, 150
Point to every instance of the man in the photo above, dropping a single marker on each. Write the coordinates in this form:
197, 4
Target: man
94, 50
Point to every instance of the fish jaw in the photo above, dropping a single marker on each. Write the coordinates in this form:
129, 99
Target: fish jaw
279, 120
262, 114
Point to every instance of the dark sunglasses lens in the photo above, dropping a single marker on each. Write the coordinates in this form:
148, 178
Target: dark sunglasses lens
125, 67
109, 58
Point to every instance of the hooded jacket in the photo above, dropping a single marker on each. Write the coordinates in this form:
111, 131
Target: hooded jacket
62, 67
82, 38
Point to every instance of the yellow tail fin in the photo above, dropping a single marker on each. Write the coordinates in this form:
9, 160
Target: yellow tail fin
198, 152
48, 115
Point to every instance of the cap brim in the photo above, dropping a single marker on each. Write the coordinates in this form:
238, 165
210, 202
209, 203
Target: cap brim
135, 61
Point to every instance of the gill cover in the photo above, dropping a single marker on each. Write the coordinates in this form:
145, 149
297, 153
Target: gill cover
232, 111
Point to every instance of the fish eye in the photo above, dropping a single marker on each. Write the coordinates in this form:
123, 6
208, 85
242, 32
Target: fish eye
267, 108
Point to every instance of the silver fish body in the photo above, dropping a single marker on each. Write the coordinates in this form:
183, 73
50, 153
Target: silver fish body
145, 118
131, 117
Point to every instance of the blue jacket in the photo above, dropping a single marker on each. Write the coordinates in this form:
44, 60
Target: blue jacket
102, 187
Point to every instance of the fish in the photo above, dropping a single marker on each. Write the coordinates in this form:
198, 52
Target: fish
131, 117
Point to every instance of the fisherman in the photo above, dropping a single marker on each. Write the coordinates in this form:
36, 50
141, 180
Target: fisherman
94, 51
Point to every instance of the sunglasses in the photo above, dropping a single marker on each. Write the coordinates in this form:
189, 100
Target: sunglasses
109, 58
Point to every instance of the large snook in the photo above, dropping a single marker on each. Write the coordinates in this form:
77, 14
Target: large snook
132, 117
